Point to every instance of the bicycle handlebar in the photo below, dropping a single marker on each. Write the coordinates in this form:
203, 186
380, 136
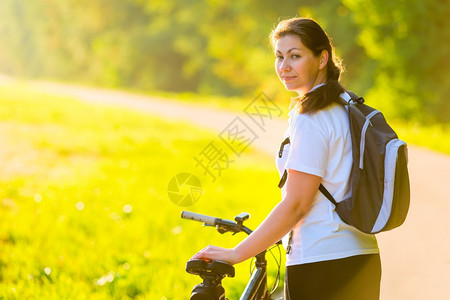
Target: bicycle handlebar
199, 217
221, 224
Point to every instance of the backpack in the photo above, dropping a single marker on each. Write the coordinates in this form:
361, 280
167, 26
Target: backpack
379, 177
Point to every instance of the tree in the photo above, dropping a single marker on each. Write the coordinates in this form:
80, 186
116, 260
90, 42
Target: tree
409, 40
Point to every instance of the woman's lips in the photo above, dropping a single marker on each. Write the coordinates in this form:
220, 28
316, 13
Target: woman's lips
288, 78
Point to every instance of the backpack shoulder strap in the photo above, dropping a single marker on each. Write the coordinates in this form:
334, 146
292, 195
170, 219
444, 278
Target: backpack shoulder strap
327, 194
355, 97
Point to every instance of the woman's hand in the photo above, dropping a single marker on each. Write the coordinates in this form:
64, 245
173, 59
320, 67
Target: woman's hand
218, 253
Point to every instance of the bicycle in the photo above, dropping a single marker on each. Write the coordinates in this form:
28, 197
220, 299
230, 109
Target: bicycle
212, 272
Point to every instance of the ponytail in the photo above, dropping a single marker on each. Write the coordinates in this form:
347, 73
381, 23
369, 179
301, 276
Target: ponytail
324, 95
320, 97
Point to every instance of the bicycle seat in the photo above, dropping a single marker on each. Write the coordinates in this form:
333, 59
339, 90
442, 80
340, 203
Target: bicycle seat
201, 267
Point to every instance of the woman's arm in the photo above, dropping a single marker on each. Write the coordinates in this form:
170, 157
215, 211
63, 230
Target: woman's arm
301, 188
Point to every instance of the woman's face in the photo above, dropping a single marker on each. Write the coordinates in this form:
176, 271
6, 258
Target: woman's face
297, 66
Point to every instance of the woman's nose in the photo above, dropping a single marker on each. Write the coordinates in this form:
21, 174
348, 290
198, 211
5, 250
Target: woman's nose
284, 65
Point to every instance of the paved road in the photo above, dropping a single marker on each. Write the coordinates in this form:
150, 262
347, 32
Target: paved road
415, 257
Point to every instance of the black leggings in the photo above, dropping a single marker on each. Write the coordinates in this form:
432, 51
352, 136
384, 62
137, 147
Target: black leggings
352, 278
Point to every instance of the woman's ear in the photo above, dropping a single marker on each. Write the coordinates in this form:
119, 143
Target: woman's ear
323, 59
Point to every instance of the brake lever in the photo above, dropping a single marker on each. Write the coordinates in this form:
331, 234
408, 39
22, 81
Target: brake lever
222, 229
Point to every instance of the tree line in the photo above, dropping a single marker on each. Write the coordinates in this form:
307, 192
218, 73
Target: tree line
395, 52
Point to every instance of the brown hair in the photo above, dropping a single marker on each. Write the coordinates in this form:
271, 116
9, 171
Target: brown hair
315, 39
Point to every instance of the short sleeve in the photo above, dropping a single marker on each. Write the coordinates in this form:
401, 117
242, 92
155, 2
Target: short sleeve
308, 151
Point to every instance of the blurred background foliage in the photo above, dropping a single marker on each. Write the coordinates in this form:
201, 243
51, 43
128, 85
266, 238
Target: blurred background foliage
395, 52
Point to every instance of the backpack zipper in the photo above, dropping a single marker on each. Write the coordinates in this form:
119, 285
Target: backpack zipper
362, 145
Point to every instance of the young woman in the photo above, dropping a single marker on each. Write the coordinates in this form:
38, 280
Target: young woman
327, 259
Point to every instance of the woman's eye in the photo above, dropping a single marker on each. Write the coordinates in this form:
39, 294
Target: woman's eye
278, 57
295, 56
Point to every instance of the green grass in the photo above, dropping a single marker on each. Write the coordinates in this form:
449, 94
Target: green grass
84, 206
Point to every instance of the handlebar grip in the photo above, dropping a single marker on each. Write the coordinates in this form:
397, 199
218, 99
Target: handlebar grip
199, 217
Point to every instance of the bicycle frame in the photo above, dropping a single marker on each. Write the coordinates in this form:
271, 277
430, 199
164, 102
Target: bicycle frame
257, 285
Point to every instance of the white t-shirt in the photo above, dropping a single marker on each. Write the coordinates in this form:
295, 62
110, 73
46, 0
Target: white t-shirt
320, 144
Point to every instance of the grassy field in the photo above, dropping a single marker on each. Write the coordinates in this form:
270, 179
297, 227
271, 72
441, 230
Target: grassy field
84, 207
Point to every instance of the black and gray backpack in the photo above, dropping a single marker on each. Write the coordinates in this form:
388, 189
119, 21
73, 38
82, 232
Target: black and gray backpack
380, 181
